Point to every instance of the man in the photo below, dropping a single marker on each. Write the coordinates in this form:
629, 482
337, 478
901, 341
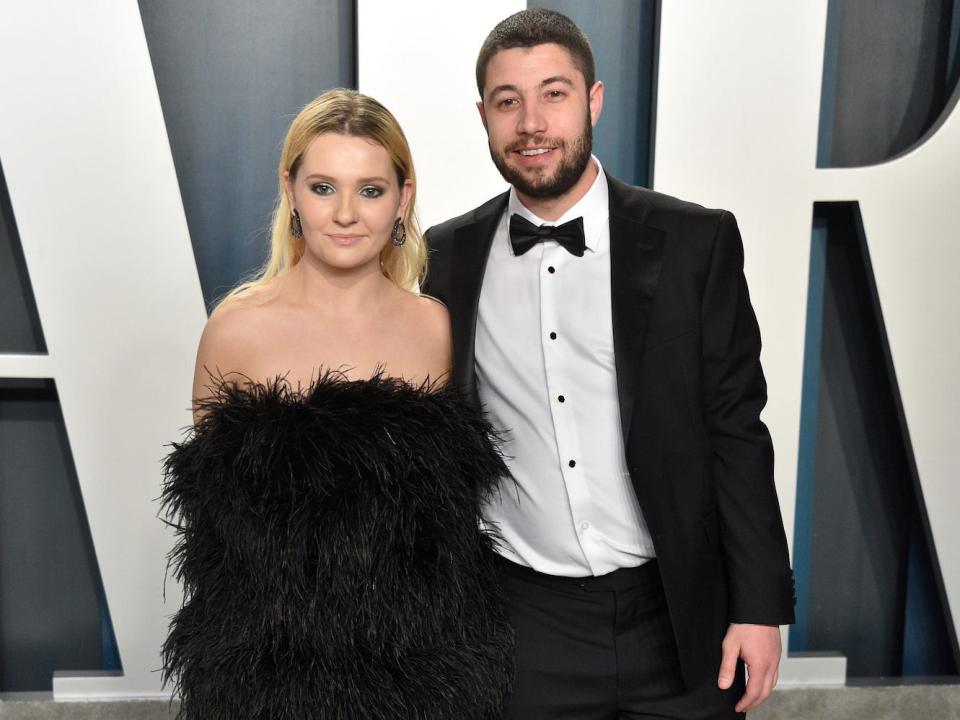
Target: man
608, 330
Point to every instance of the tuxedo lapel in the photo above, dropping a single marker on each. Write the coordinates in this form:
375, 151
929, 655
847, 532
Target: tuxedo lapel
635, 257
472, 247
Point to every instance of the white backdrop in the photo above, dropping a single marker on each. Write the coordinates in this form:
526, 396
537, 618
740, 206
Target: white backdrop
95, 196
96, 201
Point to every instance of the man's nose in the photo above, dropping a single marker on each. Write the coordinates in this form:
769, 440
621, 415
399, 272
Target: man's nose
532, 120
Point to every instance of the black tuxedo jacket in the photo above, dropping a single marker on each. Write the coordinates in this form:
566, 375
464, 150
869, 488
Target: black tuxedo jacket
687, 350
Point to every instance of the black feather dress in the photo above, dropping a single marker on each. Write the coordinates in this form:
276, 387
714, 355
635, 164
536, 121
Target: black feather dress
331, 557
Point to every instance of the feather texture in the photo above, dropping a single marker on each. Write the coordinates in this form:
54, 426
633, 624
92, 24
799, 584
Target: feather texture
331, 558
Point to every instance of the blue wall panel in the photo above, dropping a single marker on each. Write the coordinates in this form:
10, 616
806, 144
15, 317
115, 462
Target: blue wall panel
231, 76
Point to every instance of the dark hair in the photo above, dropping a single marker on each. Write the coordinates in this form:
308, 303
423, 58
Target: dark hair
537, 26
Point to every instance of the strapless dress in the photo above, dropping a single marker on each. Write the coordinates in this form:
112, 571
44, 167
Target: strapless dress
331, 557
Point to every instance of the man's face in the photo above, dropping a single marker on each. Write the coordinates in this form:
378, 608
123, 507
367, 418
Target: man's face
539, 118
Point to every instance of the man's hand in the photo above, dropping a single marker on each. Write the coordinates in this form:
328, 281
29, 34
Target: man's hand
759, 646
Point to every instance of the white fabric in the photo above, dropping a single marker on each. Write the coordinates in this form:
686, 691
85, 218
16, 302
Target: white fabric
558, 519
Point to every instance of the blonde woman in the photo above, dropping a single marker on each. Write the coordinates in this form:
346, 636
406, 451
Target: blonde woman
327, 499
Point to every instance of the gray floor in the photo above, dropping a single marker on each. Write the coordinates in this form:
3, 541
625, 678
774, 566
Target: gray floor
117, 710
915, 702
912, 702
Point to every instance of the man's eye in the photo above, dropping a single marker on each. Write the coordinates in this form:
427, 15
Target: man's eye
507, 102
556, 94
371, 191
322, 188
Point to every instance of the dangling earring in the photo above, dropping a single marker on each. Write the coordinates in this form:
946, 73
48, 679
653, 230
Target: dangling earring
399, 233
297, 229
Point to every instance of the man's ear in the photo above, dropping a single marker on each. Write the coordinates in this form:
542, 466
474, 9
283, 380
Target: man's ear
483, 114
595, 100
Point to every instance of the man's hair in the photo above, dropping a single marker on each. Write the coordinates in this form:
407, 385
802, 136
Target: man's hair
537, 26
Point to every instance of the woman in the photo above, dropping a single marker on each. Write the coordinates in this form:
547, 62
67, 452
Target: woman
327, 499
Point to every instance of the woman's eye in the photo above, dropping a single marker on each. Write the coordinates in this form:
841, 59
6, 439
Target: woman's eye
322, 188
371, 191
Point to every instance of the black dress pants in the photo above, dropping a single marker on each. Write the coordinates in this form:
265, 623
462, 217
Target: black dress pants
601, 648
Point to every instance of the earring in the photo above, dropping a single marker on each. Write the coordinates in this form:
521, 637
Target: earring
297, 228
399, 233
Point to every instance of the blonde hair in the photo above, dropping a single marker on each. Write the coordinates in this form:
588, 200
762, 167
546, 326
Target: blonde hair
344, 112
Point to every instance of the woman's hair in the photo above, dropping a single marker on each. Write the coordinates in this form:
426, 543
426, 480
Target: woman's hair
345, 112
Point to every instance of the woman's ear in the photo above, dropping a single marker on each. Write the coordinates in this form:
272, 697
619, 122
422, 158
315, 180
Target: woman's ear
406, 192
288, 187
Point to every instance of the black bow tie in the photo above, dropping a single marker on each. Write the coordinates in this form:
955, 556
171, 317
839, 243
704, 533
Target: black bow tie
524, 235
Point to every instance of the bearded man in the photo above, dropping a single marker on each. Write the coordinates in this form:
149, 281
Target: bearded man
608, 331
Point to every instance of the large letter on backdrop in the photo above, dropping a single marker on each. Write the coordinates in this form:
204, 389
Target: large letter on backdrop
93, 189
737, 117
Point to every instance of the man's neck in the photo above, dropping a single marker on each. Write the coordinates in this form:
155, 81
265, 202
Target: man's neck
553, 208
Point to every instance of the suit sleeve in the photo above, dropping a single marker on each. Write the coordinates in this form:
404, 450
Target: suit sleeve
734, 393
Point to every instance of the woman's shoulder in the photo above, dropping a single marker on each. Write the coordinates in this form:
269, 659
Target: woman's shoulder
428, 329
234, 313
242, 314
232, 332
232, 342
432, 314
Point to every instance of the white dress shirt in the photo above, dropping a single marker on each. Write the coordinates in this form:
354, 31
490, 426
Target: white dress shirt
546, 375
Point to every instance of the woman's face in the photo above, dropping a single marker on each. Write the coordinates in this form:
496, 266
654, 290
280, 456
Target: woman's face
347, 194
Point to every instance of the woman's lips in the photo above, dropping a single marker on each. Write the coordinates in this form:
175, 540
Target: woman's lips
346, 239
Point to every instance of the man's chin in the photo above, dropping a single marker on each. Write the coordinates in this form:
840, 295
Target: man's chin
531, 172
531, 181
541, 187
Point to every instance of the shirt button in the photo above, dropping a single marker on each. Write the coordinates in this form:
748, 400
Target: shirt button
551, 269
572, 463
584, 525
553, 336
561, 398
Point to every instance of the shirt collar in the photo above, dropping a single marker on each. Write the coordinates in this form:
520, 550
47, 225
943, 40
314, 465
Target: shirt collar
593, 207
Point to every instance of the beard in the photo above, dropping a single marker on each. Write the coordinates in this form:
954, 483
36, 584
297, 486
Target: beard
573, 162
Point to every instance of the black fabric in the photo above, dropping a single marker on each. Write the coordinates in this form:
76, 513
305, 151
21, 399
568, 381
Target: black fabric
601, 648
524, 235
331, 557
691, 390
